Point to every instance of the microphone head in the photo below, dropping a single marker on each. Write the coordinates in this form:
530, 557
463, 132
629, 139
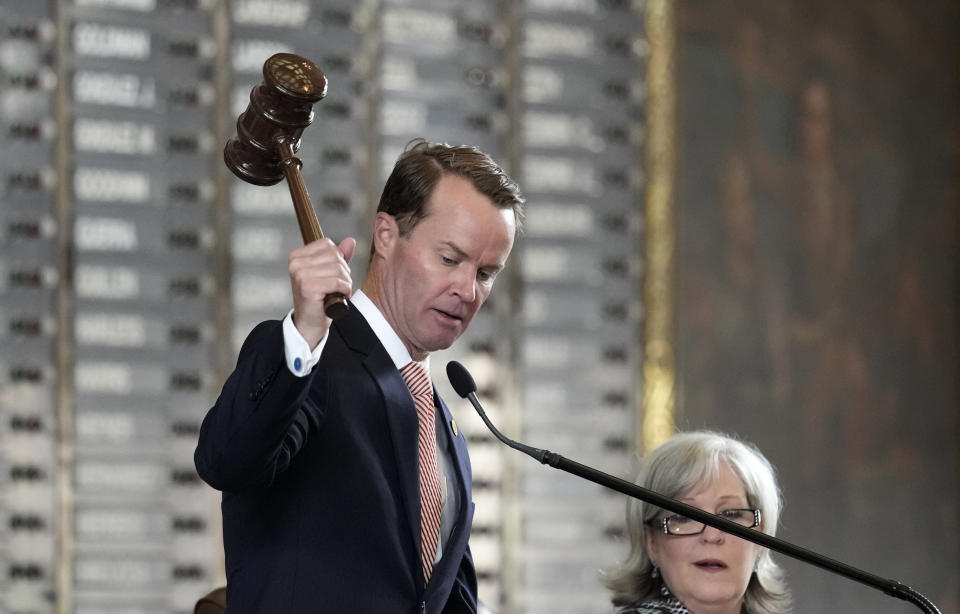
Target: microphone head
460, 379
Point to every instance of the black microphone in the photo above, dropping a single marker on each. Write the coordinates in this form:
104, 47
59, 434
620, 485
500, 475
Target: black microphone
464, 385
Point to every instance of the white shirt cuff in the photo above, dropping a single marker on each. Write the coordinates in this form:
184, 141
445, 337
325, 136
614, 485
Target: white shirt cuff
300, 359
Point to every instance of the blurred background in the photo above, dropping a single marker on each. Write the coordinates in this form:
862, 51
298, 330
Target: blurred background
741, 216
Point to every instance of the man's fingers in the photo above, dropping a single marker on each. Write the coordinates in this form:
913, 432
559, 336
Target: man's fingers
322, 252
317, 270
315, 291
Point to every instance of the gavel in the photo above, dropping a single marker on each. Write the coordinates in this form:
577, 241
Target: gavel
268, 137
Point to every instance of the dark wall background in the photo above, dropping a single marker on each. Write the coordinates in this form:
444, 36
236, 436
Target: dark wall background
817, 267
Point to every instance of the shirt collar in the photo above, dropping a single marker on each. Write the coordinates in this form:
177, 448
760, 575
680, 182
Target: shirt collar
384, 332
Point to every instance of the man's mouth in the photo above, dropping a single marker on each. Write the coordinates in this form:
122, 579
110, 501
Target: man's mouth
448, 315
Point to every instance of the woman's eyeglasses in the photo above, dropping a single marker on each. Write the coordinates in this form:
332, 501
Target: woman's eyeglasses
681, 525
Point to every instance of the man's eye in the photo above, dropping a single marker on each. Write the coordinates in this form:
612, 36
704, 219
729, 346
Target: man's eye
484, 276
446, 260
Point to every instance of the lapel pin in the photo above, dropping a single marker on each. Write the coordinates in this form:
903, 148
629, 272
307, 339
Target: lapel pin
453, 424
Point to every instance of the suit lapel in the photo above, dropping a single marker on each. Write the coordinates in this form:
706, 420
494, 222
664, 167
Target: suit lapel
461, 458
446, 570
402, 418
401, 415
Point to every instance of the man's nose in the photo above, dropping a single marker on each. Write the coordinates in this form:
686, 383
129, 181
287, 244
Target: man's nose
465, 284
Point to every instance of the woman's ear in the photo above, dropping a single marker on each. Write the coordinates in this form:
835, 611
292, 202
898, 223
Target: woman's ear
650, 545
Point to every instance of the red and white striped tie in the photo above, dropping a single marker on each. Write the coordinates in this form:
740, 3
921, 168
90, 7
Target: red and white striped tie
431, 499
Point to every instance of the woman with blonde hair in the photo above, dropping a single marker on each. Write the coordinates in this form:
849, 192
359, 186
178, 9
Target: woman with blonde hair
677, 565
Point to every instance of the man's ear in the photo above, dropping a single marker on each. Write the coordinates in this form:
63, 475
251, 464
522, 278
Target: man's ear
386, 233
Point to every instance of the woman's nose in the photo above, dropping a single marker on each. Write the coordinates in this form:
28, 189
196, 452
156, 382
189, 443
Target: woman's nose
712, 535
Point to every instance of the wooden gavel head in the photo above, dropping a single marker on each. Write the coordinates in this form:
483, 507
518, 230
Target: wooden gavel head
268, 136
280, 108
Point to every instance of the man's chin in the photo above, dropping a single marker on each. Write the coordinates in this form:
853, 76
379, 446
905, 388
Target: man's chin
442, 342
443, 345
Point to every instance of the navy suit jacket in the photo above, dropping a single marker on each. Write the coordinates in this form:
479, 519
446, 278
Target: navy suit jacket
321, 504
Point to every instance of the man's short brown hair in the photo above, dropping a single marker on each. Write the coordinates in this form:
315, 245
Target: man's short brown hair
419, 169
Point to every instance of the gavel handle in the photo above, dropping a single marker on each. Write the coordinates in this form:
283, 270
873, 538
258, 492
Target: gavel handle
334, 305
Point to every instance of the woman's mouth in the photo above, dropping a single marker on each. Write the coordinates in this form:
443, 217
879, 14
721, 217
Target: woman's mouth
711, 564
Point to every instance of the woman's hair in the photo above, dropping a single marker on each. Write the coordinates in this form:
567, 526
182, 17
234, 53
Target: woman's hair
685, 461
420, 167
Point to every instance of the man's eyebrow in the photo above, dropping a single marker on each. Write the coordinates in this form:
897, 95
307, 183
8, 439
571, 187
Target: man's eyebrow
462, 254
455, 248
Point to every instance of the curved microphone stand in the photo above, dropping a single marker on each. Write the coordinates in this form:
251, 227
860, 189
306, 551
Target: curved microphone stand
464, 385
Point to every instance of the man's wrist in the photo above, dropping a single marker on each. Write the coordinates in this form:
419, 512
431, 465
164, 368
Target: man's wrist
299, 355
312, 336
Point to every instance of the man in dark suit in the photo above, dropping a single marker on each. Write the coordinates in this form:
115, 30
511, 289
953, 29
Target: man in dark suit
343, 491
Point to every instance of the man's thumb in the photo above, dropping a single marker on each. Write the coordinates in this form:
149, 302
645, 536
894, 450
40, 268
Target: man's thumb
347, 247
